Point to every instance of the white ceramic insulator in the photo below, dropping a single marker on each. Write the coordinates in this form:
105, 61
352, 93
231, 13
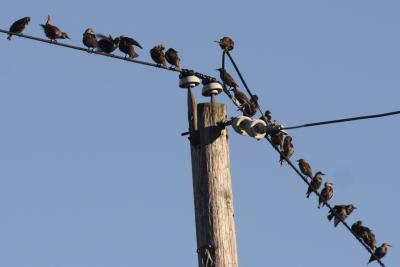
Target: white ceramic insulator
189, 81
238, 124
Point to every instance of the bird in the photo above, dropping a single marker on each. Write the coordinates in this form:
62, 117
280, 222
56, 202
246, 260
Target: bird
277, 139
126, 46
315, 184
52, 32
107, 44
326, 194
288, 149
89, 39
251, 109
305, 168
18, 26
342, 211
172, 57
158, 56
379, 253
363, 232
267, 117
227, 78
226, 43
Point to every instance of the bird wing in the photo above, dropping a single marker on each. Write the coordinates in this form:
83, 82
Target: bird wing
131, 41
101, 36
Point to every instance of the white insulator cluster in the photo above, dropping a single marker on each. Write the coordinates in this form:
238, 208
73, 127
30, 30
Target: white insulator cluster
252, 127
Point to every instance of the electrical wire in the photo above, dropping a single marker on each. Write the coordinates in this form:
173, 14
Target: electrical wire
343, 120
301, 175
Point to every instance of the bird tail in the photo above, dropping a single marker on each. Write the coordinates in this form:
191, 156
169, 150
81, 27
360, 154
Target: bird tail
9, 36
330, 216
133, 54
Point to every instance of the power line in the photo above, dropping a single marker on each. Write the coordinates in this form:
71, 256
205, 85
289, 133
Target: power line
343, 120
300, 174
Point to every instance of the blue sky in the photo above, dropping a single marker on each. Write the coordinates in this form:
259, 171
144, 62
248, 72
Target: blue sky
94, 171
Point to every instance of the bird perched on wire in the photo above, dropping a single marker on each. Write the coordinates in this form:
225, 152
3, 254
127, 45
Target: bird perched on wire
326, 194
288, 149
315, 184
227, 78
277, 139
248, 106
107, 44
267, 117
18, 26
126, 46
366, 235
172, 57
52, 32
89, 39
342, 211
379, 253
226, 43
305, 168
158, 56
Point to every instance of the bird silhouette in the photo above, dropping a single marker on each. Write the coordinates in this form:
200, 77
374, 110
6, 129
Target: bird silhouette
227, 78
226, 43
126, 46
342, 211
89, 39
326, 194
172, 57
315, 184
52, 32
107, 44
379, 253
158, 56
305, 168
288, 149
18, 26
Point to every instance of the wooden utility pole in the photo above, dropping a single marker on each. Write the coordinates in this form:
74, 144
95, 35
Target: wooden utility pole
213, 201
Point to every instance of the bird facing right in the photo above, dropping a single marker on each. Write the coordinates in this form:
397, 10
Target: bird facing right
172, 57
379, 253
89, 39
52, 32
18, 26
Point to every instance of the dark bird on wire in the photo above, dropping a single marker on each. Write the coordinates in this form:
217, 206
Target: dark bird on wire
251, 110
158, 56
248, 106
277, 139
89, 39
366, 235
226, 43
107, 44
305, 168
288, 149
342, 211
126, 46
172, 57
52, 32
315, 183
326, 194
227, 78
18, 26
267, 117
380, 252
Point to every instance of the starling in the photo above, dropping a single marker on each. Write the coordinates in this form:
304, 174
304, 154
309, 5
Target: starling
107, 44
89, 39
19, 26
343, 211
277, 139
315, 183
227, 78
305, 168
126, 46
357, 228
251, 109
326, 194
52, 32
288, 149
267, 117
226, 43
157, 54
366, 235
172, 57
380, 252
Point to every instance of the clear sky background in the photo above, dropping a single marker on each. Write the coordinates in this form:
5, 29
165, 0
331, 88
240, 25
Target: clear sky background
93, 169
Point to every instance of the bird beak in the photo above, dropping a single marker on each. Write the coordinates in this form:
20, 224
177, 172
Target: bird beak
389, 245
322, 173
297, 160
217, 42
